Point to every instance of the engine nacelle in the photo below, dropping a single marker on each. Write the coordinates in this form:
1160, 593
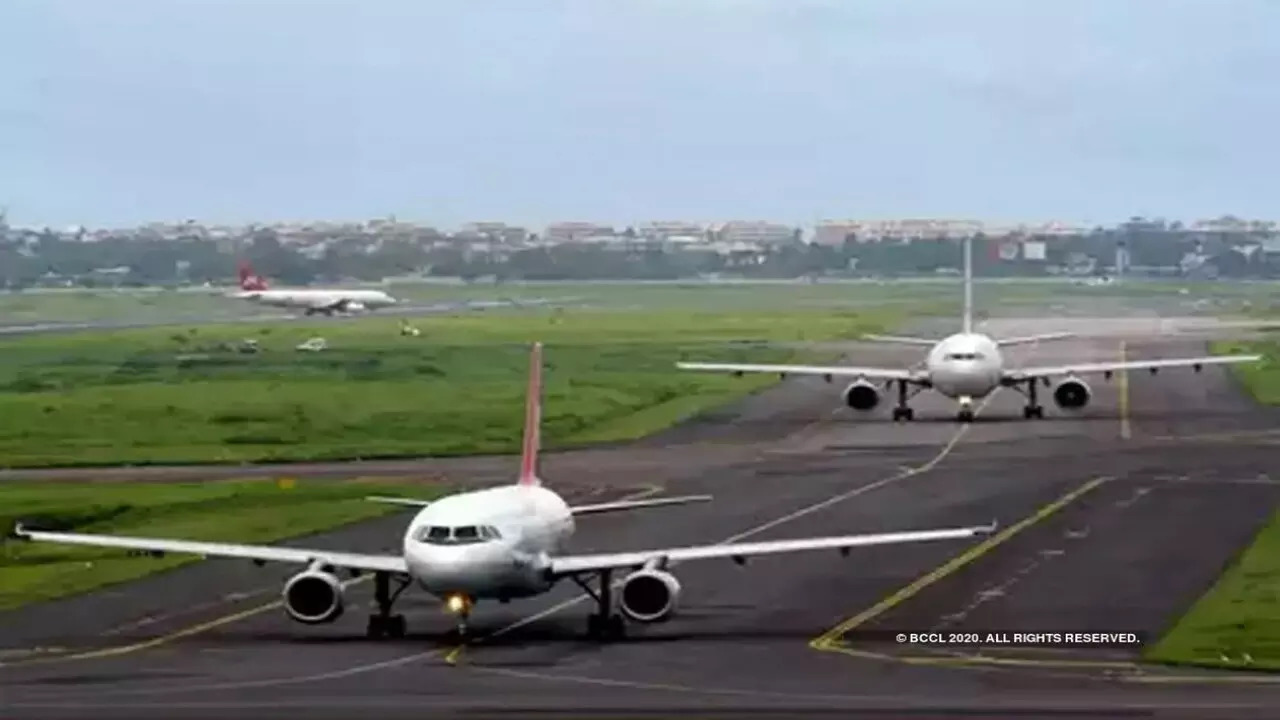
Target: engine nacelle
314, 598
862, 395
649, 596
1072, 394
354, 307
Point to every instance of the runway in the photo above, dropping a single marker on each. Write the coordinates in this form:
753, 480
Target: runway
1115, 519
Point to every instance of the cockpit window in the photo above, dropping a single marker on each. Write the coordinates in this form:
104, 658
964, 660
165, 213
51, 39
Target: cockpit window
964, 356
464, 535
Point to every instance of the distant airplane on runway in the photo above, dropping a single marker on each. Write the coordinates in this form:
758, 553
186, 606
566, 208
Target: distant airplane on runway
327, 301
499, 543
968, 366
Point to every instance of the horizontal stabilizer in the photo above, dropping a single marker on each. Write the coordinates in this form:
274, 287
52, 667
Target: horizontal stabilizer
411, 502
901, 340
1028, 339
623, 505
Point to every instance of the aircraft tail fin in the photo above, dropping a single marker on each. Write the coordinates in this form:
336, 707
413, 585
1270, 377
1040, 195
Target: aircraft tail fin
967, 326
248, 279
532, 420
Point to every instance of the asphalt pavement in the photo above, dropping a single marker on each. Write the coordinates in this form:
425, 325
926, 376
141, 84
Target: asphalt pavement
1114, 519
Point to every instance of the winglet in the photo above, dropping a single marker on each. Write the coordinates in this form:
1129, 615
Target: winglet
988, 529
19, 531
532, 420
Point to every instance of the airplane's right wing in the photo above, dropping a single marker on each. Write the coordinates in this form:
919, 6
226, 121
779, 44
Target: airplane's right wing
573, 564
259, 553
870, 373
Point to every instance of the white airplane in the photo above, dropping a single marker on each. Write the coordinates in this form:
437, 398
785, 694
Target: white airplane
969, 366
499, 543
254, 288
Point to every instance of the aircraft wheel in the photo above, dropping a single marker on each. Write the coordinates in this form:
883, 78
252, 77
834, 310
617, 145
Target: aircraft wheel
396, 626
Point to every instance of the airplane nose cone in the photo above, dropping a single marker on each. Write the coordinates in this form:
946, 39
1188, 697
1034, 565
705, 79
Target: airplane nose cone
466, 569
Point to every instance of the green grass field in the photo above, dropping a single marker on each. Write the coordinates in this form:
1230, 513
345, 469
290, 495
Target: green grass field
1261, 379
182, 395
1240, 615
252, 511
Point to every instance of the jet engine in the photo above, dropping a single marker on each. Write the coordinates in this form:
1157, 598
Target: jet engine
649, 596
862, 395
314, 597
354, 307
1072, 394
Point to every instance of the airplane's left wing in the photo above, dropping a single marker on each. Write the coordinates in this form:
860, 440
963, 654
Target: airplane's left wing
870, 373
259, 553
1022, 374
573, 564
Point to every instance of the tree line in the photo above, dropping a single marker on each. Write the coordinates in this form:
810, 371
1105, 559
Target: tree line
136, 261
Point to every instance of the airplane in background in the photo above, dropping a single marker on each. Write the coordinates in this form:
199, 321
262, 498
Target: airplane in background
499, 543
314, 301
968, 366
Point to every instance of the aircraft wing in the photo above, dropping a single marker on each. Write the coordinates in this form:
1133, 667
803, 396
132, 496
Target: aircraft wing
573, 564
1107, 367
834, 371
901, 340
260, 553
409, 502
624, 505
1027, 339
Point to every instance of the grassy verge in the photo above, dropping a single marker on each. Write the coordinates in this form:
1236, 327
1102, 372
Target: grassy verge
252, 511
1240, 615
1261, 379
169, 395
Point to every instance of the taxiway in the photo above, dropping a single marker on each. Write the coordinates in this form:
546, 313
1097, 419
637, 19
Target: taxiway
1114, 519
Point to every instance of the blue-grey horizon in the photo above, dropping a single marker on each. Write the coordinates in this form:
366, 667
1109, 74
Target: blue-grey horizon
531, 111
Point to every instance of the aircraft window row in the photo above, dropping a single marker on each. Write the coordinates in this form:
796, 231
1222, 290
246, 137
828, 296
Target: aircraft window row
464, 535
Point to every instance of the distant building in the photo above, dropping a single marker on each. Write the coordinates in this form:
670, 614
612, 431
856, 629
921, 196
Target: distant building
575, 231
670, 229
755, 232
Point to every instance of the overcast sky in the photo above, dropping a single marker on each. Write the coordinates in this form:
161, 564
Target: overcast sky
114, 112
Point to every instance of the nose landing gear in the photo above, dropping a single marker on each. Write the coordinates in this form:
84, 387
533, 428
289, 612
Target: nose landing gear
460, 605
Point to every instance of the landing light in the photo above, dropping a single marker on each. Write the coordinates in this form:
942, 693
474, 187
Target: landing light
456, 604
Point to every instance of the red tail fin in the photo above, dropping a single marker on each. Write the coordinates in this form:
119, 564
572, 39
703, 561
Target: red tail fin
249, 281
532, 420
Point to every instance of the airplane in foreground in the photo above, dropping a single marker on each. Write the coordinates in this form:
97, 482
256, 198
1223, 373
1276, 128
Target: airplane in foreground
499, 543
968, 366
314, 301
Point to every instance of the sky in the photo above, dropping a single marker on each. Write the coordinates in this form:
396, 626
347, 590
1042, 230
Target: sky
531, 111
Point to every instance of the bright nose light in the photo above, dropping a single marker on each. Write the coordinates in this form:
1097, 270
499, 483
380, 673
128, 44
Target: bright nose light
456, 604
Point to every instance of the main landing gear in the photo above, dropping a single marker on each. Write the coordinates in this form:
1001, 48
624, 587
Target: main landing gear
1033, 409
903, 411
603, 624
382, 623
